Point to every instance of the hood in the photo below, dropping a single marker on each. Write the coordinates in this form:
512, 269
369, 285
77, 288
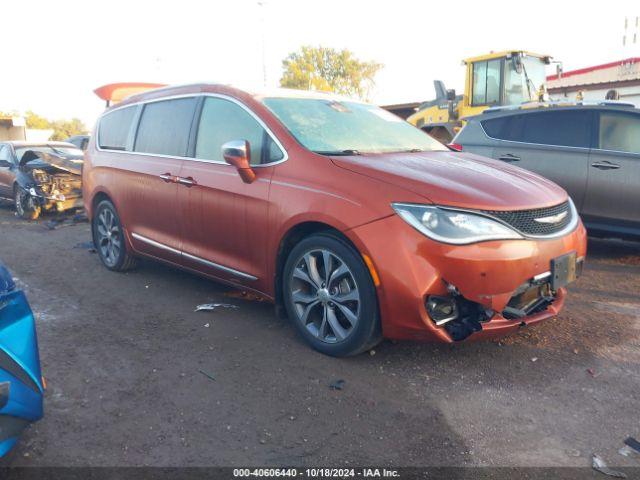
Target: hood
458, 179
66, 162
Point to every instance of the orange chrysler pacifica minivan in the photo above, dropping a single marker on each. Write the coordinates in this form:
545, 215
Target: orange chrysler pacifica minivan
354, 222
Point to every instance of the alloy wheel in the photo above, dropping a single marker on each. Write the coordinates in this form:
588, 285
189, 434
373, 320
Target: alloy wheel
325, 295
109, 241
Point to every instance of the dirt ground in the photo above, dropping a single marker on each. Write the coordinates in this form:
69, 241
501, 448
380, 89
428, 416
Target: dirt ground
136, 377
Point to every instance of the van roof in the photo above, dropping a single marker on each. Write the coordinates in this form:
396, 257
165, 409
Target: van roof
258, 94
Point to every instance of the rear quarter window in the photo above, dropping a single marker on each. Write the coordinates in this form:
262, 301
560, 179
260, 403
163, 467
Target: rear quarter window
115, 127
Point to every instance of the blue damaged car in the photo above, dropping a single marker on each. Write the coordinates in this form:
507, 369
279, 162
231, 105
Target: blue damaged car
21, 383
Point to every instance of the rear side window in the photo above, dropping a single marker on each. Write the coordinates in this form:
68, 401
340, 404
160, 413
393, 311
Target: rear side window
222, 121
619, 132
505, 128
165, 126
569, 128
115, 127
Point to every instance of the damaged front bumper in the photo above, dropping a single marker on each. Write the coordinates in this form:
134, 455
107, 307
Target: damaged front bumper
535, 300
55, 201
495, 286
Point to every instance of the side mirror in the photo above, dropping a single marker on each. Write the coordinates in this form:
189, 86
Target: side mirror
5, 164
238, 153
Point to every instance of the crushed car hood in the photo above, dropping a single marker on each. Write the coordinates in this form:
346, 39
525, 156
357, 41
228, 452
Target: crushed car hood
67, 163
458, 179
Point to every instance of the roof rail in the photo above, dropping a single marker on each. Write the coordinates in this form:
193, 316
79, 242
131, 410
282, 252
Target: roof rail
558, 104
616, 103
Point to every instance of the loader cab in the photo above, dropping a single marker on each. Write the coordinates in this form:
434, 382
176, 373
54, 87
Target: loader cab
506, 78
495, 79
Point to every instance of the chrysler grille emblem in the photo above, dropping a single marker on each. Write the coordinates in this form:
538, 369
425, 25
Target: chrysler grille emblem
552, 219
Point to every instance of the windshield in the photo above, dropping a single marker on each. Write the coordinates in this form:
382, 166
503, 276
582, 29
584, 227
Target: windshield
50, 149
523, 87
337, 127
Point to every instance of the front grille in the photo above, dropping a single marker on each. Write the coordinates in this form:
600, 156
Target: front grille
525, 220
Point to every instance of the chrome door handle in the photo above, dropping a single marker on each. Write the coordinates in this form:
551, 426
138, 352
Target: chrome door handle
167, 177
509, 158
605, 165
187, 182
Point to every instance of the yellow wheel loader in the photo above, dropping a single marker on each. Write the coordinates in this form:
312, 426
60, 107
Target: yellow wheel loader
496, 79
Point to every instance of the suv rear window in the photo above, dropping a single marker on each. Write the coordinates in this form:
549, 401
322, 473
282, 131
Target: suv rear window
570, 128
165, 127
115, 127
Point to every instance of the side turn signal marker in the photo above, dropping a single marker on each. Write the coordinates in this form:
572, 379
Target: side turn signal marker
372, 270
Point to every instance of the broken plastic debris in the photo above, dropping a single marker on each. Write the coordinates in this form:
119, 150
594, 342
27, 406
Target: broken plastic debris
626, 451
337, 385
598, 464
86, 245
51, 224
210, 377
631, 447
633, 443
213, 306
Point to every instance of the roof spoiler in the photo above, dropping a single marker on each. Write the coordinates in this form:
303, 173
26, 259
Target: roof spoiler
116, 92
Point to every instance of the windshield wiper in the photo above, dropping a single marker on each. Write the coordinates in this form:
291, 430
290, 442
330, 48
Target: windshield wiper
529, 83
346, 152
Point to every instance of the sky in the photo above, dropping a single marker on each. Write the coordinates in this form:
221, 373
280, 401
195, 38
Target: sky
55, 53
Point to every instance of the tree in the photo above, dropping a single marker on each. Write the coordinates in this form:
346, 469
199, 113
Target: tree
33, 120
329, 70
63, 129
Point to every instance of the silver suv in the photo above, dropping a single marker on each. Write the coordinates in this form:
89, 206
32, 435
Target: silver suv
592, 151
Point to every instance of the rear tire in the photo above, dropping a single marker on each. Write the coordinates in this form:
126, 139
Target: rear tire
108, 238
25, 205
330, 297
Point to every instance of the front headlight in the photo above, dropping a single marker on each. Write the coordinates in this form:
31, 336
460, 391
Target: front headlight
448, 225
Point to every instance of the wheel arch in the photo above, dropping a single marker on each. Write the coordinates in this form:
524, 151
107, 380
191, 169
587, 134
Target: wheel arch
289, 240
98, 197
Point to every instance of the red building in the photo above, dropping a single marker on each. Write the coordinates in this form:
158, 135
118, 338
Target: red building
594, 82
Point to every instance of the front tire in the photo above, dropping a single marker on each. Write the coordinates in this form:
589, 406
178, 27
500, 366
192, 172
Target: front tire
26, 208
330, 297
108, 238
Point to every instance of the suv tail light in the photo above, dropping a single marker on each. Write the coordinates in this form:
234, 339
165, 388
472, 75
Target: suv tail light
455, 147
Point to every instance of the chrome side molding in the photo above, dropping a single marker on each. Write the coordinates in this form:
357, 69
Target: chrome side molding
203, 261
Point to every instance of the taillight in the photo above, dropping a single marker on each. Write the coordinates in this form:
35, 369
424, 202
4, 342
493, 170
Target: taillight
455, 147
